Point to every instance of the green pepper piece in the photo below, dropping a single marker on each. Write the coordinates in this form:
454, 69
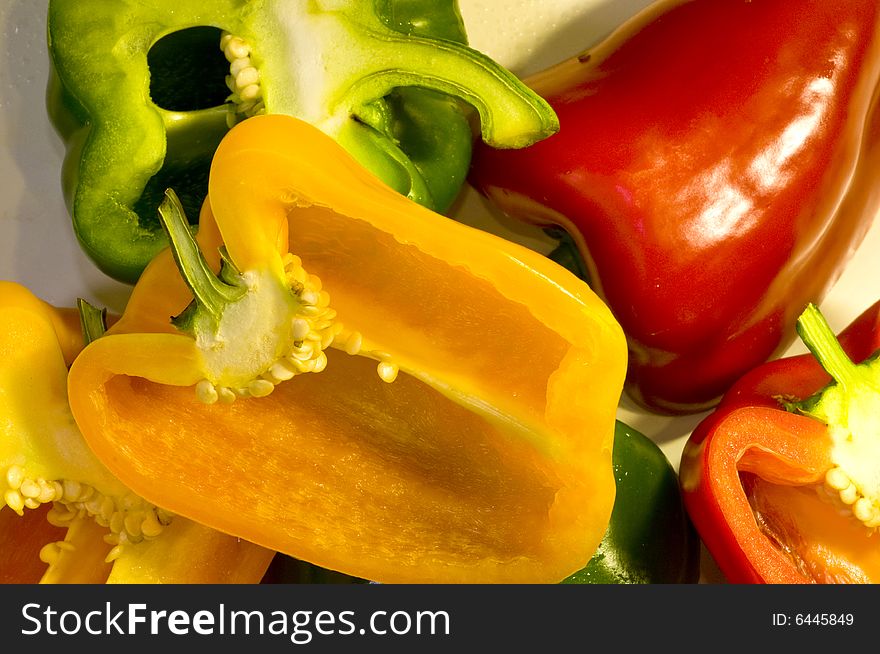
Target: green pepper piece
650, 539
377, 75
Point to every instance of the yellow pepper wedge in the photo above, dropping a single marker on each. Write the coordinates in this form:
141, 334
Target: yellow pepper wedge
460, 424
64, 517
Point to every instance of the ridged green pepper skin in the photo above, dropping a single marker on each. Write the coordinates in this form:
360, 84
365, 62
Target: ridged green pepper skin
650, 539
138, 92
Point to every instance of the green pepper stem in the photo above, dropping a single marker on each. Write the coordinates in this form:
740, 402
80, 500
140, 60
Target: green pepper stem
207, 289
92, 320
820, 339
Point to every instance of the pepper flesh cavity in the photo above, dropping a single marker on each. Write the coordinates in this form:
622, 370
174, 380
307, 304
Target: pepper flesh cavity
825, 545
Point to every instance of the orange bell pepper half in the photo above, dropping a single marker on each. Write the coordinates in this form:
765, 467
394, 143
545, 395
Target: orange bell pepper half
65, 518
405, 399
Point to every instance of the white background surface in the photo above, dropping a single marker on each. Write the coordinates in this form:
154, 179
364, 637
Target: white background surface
39, 250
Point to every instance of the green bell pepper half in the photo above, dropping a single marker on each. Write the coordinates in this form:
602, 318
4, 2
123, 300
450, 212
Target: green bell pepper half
141, 94
650, 539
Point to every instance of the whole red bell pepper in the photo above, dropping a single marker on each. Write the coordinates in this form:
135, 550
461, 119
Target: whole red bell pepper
782, 480
718, 162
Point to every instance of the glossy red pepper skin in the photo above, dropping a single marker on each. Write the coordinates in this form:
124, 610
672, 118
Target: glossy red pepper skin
750, 432
717, 164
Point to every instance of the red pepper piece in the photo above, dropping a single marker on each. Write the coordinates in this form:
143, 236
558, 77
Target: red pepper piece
753, 474
717, 164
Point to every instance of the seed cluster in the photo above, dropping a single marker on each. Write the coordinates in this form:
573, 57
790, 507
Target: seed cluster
130, 519
244, 79
839, 483
312, 331
318, 328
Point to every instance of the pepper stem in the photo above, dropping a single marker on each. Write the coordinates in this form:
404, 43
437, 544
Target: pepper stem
92, 319
209, 291
820, 339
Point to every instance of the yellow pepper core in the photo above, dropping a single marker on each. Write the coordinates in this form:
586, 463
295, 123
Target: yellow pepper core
461, 425
253, 329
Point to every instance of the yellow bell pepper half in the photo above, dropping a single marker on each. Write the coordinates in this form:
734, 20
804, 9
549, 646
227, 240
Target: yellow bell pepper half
65, 518
405, 399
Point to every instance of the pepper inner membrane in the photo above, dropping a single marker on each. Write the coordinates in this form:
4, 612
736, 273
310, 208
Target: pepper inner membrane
479, 338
